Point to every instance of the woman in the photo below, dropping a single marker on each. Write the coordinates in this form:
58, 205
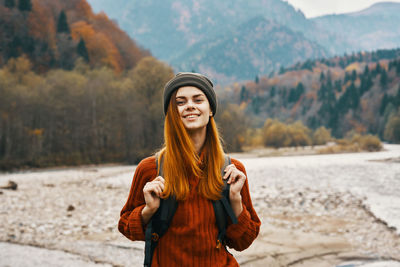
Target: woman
192, 161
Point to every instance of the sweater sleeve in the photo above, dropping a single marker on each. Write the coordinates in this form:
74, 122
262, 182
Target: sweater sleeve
240, 236
130, 223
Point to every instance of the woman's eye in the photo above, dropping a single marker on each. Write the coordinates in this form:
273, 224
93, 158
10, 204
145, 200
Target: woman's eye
179, 103
198, 100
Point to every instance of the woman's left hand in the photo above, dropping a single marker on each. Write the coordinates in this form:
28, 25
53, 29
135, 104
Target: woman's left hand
236, 179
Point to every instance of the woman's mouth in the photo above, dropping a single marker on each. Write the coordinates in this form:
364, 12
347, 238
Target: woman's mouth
190, 116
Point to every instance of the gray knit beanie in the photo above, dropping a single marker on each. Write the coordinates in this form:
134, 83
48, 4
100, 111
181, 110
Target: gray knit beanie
190, 79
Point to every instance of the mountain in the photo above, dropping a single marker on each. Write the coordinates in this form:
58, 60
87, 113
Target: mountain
55, 33
170, 26
171, 29
256, 46
377, 27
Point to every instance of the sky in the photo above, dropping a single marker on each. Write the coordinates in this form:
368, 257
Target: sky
314, 8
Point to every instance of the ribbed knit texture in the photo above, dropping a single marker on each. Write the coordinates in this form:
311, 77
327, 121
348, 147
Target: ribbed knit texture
191, 237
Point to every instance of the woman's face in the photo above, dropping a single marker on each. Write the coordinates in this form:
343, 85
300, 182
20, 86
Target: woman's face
193, 108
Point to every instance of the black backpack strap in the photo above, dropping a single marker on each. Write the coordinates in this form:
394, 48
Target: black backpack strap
160, 221
149, 245
222, 208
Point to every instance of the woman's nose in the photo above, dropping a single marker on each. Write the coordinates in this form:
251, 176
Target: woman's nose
190, 104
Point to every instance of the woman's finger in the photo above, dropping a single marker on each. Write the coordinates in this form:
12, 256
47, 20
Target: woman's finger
233, 177
160, 179
228, 172
158, 183
156, 186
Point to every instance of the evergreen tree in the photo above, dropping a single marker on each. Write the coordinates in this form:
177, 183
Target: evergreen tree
353, 75
243, 94
62, 24
9, 3
338, 85
377, 69
272, 92
346, 77
322, 77
257, 80
366, 70
366, 83
384, 78
398, 67
82, 51
25, 5
292, 95
354, 96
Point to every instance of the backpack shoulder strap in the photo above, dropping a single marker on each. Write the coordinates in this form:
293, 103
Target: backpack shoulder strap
222, 207
225, 193
160, 221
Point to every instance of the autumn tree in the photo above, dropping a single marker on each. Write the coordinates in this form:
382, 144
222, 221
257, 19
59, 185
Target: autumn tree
145, 126
298, 134
233, 123
321, 136
275, 133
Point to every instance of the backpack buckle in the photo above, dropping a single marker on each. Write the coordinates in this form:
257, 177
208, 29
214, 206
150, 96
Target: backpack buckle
155, 237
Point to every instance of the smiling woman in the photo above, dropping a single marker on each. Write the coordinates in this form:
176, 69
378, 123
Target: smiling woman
190, 178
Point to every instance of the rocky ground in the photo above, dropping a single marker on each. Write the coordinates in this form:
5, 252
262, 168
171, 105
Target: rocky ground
69, 217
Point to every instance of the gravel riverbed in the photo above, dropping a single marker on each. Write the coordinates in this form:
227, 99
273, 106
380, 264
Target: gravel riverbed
317, 210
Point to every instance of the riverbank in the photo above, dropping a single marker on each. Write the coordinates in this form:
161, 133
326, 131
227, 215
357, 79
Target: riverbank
317, 210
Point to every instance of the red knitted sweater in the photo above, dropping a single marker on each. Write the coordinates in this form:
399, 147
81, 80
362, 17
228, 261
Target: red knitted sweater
191, 237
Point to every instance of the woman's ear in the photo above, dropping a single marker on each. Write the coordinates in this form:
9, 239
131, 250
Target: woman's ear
211, 114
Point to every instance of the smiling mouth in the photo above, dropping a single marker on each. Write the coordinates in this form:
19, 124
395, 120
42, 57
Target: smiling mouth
191, 116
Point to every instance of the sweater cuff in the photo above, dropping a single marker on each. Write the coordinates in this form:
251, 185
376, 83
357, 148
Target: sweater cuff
235, 231
136, 225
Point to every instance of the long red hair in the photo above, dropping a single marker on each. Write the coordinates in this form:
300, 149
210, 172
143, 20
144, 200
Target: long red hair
181, 160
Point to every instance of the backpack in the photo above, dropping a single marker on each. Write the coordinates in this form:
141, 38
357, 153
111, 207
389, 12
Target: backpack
159, 222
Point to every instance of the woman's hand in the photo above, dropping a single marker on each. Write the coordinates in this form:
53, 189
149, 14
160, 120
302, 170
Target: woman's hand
236, 179
152, 192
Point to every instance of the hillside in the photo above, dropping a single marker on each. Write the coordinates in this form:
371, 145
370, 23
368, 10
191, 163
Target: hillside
55, 33
363, 95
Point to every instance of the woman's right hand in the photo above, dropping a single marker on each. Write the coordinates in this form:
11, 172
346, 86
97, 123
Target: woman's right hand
152, 192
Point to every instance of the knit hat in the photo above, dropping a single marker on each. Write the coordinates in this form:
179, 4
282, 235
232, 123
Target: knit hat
191, 79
